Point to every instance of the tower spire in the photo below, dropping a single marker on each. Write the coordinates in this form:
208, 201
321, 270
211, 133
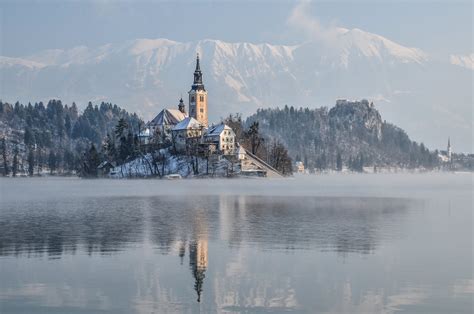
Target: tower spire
449, 151
181, 106
198, 67
197, 84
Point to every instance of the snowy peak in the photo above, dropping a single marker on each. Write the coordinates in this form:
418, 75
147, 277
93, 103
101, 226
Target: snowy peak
347, 45
373, 45
466, 61
6, 62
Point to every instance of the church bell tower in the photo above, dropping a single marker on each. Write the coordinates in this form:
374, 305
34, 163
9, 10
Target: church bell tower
198, 97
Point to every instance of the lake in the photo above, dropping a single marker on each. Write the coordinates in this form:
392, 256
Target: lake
385, 243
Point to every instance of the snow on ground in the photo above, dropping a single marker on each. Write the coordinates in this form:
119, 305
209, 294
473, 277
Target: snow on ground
173, 164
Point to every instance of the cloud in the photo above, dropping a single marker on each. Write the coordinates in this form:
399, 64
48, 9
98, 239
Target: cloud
301, 20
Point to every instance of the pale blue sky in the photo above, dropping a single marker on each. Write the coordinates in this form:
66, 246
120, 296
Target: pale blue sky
439, 27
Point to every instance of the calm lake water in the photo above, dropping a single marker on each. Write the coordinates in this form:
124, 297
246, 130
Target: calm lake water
310, 244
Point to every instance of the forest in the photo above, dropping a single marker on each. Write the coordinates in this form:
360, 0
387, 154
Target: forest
55, 136
350, 134
59, 139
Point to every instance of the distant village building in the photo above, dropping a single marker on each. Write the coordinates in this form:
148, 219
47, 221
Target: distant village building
449, 152
299, 167
446, 156
105, 168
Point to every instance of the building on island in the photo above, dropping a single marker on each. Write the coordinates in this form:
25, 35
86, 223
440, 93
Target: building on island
167, 119
185, 131
223, 137
144, 136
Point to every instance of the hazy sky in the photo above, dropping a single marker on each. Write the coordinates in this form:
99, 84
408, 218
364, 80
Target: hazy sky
439, 27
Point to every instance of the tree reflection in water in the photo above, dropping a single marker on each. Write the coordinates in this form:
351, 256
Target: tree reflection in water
111, 225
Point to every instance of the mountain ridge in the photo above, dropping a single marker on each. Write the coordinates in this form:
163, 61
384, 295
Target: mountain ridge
145, 75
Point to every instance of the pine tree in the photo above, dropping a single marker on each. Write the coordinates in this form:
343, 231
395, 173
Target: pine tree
122, 125
91, 162
68, 125
15, 161
360, 163
351, 164
339, 162
6, 169
109, 148
39, 161
31, 162
52, 162
28, 137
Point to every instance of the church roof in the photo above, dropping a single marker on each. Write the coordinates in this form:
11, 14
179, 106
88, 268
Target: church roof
168, 117
217, 130
188, 123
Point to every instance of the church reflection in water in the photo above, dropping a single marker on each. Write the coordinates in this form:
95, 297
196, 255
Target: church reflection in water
198, 264
198, 259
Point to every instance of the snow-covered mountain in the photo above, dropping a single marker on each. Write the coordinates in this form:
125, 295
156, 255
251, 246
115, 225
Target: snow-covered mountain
430, 99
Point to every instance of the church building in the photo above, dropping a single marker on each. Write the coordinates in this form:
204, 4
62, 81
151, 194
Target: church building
180, 127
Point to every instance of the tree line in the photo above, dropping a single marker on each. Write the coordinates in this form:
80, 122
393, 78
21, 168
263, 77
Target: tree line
54, 136
352, 135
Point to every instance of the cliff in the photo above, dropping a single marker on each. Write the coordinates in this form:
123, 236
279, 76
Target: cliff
352, 131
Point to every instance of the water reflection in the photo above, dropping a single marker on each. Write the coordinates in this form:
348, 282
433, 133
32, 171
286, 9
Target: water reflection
92, 226
110, 225
187, 226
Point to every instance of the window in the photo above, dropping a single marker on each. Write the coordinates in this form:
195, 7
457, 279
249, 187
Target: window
192, 98
201, 98
201, 110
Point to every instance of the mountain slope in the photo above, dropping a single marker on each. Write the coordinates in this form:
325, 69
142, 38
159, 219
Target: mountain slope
431, 100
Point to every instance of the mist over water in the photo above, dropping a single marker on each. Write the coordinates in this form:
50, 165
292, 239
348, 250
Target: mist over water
338, 244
